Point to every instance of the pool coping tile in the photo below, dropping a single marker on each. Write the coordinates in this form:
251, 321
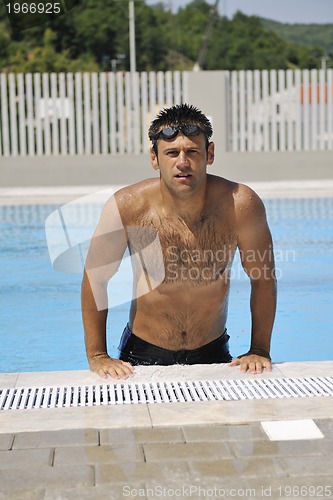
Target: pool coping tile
8, 380
160, 415
55, 419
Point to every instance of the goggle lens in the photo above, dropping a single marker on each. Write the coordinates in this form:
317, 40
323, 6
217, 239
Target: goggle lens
171, 132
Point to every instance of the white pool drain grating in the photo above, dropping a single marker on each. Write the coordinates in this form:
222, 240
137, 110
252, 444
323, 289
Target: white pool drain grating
164, 392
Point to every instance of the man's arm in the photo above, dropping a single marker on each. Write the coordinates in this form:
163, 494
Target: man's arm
105, 253
256, 251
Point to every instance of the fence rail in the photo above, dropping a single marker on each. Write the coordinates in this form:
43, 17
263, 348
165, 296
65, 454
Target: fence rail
109, 113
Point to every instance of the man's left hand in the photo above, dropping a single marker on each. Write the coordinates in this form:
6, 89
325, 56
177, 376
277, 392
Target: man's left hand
252, 363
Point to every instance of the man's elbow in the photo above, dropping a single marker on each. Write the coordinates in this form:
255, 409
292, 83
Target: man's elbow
263, 278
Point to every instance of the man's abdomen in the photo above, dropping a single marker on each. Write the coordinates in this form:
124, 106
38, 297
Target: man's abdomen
180, 315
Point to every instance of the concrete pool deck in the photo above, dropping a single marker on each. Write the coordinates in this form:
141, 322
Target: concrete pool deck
309, 188
216, 448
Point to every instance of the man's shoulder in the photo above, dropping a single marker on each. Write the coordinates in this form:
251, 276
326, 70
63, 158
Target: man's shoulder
242, 196
224, 187
135, 199
246, 197
248, 204
138, 189
221, 183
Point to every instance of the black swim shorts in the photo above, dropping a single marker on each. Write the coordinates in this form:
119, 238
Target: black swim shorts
139, 352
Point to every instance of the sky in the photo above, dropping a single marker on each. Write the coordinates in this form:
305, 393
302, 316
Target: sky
285, 11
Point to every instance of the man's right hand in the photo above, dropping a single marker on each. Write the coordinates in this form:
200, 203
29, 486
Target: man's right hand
103, 365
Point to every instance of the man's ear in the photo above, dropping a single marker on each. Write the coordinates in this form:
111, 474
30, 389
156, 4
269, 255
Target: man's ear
211, 153
154, 159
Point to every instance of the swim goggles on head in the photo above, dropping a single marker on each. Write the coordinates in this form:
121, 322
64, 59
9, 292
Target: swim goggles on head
171, 132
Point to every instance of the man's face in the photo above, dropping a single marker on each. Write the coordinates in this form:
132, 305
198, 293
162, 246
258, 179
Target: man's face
182, 162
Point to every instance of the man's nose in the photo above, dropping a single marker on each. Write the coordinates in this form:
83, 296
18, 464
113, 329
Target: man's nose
182, 160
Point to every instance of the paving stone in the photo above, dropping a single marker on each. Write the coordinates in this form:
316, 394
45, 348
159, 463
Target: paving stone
326, 426
8, 380
46, 439
150, 435
104, 492
309, 466
23, 495
223, 432
98, 454
185, 451
127, 474
277, 448
235, 468
43, 476
20, 459
6, 441
326, 446
206, 459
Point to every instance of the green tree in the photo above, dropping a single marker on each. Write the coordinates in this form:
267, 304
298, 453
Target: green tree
45, 58
243, 43
152, 45
191, 25
92, 33
4, 48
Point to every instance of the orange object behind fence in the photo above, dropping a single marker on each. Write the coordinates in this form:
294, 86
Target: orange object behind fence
317, 91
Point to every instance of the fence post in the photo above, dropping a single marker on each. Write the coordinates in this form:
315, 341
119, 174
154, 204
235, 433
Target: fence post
208, 91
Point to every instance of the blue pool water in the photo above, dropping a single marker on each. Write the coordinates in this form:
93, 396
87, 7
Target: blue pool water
40, 316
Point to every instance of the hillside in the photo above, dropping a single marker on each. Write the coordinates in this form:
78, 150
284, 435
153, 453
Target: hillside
308, 35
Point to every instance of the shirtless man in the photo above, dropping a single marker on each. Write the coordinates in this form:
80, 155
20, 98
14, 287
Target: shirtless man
199, 221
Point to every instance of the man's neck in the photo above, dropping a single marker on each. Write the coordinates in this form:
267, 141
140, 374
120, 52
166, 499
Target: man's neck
189, 207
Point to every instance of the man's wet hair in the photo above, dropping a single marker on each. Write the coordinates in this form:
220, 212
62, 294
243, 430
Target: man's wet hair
178, 116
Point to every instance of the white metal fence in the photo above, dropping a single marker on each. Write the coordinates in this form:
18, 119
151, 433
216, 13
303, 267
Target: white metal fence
281, 110
89, 113
109, 113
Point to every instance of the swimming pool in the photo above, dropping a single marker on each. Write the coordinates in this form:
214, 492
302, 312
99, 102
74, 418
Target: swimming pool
40, 317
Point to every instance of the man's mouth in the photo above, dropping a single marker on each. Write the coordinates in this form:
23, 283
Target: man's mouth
183, 176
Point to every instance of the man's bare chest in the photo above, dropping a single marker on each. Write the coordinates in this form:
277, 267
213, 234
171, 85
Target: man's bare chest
198, 253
